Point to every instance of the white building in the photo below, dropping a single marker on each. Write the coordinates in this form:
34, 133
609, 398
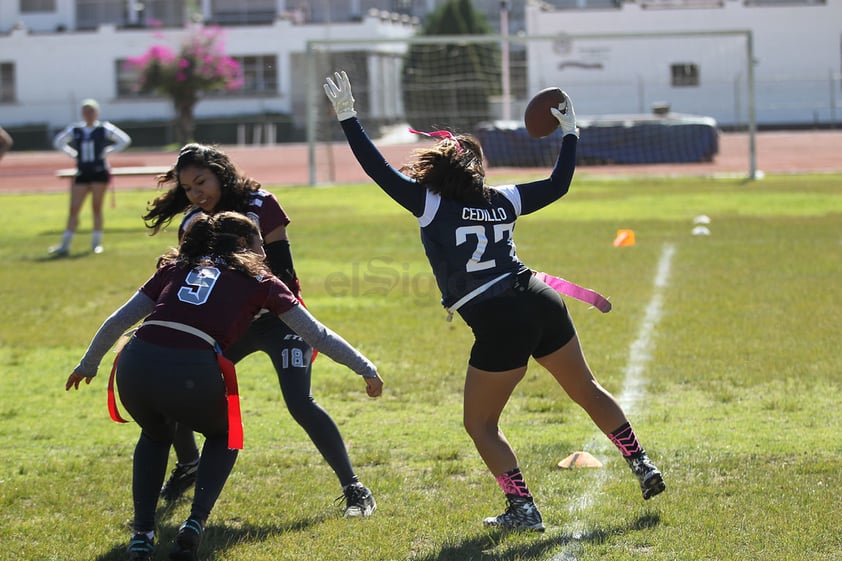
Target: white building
54, 53
797, 50
58, 52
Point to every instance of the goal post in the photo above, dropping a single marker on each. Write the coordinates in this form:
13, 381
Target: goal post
658, 94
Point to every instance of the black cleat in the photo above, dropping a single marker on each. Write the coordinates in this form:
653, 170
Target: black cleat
186, 544
359, 502
651, 481
521, 514
183, 477
140, 548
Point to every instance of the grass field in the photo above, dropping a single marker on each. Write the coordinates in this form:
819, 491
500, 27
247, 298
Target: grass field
730, 372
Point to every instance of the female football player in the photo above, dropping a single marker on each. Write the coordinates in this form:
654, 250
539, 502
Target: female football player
88, 142
199, 301
205, 180
466, 231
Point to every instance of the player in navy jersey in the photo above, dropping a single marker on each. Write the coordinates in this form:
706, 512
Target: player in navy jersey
467, 232
88, 142
200, 299
205, 180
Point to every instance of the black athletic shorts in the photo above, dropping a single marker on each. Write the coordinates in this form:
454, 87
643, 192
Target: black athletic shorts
529, 319
84, 177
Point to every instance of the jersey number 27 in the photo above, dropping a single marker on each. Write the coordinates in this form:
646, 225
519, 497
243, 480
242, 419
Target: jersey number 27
500, 232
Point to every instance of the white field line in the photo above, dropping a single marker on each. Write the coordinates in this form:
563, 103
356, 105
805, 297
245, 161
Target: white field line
634, 386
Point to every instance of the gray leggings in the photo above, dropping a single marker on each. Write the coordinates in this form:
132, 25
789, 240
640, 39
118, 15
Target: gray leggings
290, 356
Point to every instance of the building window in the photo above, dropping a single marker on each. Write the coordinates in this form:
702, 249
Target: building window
159, 13
127, 79
34, 6
7, 82
260, 74
243, 12
685, 74
90, 14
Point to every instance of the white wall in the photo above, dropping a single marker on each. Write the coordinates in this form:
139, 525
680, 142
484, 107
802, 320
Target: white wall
55, 71
798, 53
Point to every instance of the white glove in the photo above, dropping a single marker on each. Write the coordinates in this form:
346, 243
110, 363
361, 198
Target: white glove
566, 117
339, 94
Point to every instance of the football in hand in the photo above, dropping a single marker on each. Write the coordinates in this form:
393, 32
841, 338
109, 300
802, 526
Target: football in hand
537, 117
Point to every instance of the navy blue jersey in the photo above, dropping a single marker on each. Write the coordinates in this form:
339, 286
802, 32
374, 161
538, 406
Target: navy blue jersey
468, 244
89, 145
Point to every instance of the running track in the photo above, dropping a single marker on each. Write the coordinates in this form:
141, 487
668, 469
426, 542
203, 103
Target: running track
283, 165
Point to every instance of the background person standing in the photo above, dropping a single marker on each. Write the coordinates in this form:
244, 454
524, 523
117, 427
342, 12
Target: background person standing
89, 142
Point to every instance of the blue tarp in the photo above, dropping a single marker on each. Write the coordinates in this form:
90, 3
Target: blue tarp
632, 139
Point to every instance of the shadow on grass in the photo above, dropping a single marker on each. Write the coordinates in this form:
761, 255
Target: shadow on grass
215, 539
487, 547
49, 257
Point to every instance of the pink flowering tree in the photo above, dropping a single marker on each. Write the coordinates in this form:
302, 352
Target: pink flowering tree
200, 66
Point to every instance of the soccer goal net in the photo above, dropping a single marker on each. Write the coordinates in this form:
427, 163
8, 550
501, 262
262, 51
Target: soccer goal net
640, 99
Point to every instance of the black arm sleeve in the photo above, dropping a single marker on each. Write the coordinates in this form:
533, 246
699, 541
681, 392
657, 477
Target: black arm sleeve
279, 258
404, 190
538, 194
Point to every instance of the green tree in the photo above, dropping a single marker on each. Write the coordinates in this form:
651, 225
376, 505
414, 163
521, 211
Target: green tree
448, 85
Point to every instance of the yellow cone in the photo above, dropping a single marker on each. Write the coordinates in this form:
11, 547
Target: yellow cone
579, 460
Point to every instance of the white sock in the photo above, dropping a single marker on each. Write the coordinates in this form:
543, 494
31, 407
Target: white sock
96, 238
66, 239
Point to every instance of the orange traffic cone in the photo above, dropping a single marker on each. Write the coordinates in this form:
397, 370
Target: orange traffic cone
624, 238
579, 459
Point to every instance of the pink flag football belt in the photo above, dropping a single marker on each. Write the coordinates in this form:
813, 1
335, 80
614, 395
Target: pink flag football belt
573, 290
558, 284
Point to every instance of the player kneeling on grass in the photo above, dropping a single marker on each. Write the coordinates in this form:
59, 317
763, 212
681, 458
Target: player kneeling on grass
466, 231
202, 297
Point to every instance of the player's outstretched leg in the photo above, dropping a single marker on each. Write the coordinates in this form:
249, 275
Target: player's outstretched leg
570, 369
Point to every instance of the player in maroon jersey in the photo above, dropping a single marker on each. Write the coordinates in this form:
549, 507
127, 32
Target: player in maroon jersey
201, 298
205, 180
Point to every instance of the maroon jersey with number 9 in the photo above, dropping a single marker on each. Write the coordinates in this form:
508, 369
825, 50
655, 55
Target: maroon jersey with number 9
219, 301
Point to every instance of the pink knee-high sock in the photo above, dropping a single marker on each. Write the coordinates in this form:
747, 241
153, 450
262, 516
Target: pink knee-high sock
625, 439
512, 483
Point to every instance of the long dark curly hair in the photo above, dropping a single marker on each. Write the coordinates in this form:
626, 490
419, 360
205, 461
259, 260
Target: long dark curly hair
452, 168
220, 240
235, 187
